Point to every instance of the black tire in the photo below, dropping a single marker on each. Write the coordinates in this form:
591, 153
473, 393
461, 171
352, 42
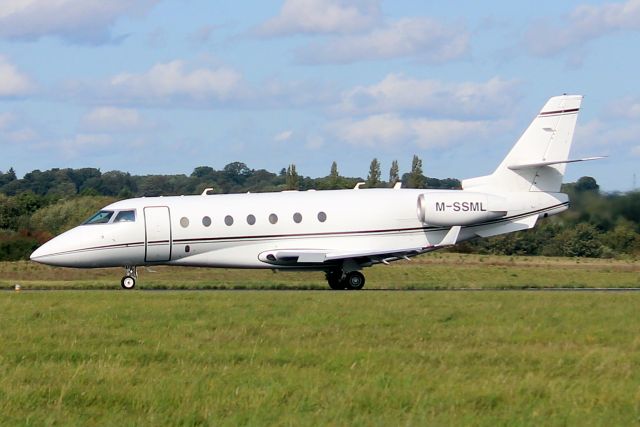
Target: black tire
334, 278
128, 282
354, 280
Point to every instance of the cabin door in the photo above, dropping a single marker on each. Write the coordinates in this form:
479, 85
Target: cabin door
157, 222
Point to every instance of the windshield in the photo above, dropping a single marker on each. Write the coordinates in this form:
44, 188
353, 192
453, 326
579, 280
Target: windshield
101, 217
125, 216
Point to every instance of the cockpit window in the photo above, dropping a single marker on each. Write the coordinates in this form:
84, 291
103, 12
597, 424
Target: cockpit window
125, 216
101, 217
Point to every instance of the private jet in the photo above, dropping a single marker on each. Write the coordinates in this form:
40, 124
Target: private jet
338, 232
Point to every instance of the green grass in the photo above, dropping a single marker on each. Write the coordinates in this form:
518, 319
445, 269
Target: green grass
433, 271
319, 358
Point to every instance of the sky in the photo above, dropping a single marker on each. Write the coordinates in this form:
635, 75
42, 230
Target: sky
164, 86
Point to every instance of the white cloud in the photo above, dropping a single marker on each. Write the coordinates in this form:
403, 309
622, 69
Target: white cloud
398, 93
74, 20
12, 81
113, 119
624, 108
390, 129
424, 38
584, 23
83, 144
293, 93
182, 84
6, 119
322, 16
19, 136
314, 142
283, 136
203, 34
175, 82
598, 137
15, 130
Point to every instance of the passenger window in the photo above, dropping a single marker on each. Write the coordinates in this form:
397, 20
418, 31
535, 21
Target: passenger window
101, 217
251, 219
228, 220
322, 217
297, 217
125, 216
273, 218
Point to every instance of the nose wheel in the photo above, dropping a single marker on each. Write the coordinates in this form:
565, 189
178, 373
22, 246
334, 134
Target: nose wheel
129, 280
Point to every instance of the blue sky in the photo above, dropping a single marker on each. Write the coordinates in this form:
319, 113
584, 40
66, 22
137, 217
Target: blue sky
163, 86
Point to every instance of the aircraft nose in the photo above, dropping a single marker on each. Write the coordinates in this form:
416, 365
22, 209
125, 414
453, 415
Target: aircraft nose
54, 252
43, 254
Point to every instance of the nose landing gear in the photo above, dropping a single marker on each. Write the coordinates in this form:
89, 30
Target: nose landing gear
129, 280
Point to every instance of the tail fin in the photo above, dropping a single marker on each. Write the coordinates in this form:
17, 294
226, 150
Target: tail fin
537, 161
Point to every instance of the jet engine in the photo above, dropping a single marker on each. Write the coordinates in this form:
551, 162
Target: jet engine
451, 208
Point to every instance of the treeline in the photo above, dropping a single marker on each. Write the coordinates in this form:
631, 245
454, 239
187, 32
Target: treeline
235, 177
45, 203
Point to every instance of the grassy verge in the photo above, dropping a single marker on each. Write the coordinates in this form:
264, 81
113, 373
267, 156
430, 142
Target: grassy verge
433, 271
318, 358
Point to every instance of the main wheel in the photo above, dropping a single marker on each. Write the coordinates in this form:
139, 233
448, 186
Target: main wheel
334, 280
354, 280
128, 282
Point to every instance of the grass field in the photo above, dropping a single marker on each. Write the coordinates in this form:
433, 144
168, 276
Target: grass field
318, 358
432, 271
312, 357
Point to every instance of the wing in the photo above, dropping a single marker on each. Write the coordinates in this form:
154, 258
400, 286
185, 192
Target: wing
294, 257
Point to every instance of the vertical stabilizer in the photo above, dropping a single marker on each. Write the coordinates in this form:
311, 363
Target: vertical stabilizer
538, 160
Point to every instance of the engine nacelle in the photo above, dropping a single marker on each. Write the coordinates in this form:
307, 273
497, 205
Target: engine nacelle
451, 208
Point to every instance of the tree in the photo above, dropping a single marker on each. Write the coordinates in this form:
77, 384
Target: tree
587, 183
416, 179
334, 176
292, 181
373, 179
7, 177
581, 241
334, 170
202, 172
394, 173
237, 172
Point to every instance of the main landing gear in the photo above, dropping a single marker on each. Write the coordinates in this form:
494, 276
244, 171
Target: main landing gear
337, 279
129, 280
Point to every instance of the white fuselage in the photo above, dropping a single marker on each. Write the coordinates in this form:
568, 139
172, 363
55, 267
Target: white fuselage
238, 230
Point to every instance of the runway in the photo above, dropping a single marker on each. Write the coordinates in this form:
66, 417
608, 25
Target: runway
390, 290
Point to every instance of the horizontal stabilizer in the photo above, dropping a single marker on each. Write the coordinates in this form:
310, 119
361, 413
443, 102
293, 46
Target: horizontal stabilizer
508, 227
552, 162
